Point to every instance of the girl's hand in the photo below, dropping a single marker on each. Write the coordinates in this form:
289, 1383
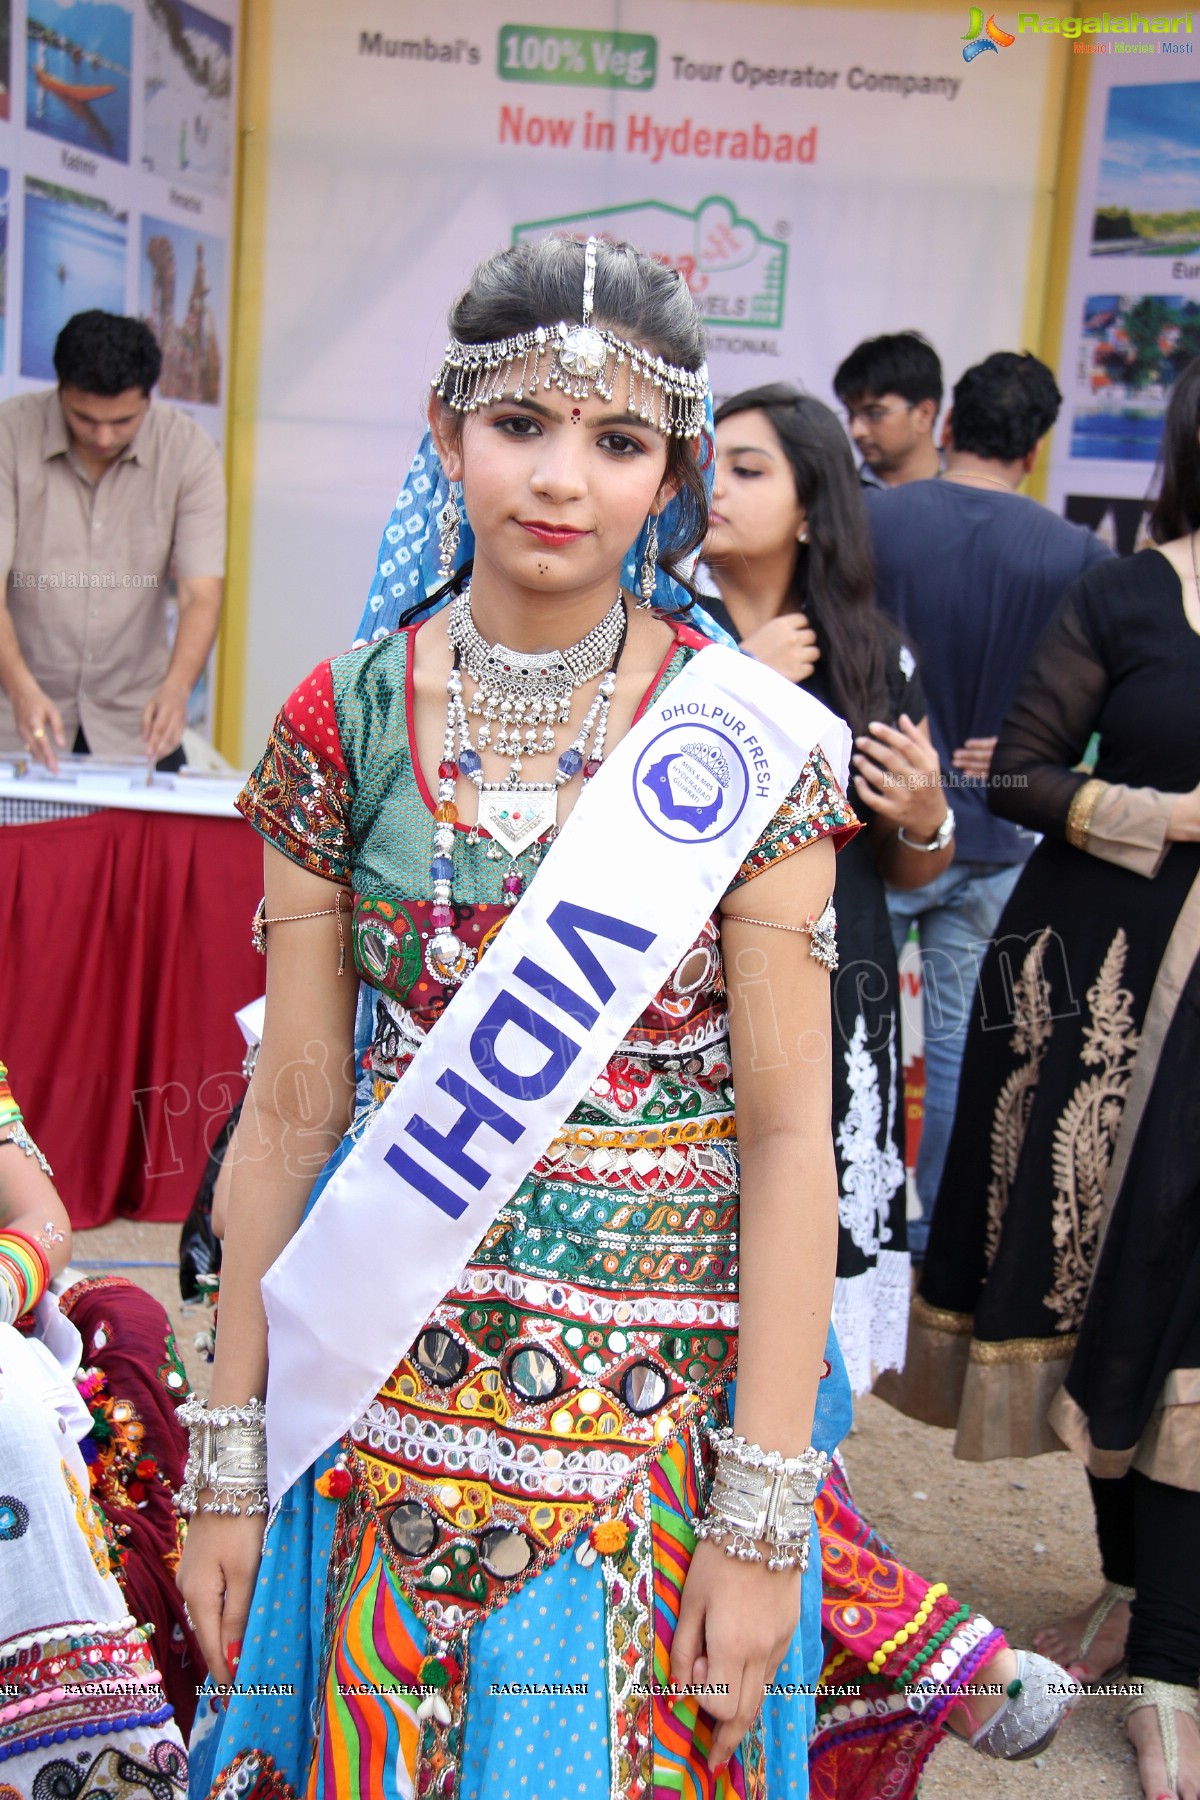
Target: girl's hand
216, 1577
736, 1624
788, 644
899, 777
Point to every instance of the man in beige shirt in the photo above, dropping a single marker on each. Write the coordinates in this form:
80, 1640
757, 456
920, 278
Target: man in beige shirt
103, 493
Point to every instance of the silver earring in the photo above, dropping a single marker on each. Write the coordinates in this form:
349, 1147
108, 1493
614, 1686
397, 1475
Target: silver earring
649, 575
802, 535
449, 520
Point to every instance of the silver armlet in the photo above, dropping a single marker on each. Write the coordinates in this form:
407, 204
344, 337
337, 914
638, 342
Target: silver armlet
18, 1135
227, 1457
760, 1497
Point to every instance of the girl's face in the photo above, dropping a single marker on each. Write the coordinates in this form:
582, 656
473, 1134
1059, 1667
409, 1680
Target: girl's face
556, 489
755, 513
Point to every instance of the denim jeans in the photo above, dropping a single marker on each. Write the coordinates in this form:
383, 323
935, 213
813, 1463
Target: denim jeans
955, 916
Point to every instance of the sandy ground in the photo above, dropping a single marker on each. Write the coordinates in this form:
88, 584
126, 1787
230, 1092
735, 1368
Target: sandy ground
1013, 1539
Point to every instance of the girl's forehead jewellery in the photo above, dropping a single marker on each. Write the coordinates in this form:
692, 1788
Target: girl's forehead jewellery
578, 360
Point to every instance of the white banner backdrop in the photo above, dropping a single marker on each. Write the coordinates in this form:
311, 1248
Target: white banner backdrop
1131, 316
820, 174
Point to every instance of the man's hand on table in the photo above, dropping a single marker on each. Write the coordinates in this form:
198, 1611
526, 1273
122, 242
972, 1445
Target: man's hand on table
38, 721
164, 719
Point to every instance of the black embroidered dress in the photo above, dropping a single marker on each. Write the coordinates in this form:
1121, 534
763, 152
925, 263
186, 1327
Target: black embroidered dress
871, 1295
1054, 1303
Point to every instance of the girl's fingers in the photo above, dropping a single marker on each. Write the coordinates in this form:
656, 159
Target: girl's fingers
724, 1709
205, 1614
687, 1644
731, 1731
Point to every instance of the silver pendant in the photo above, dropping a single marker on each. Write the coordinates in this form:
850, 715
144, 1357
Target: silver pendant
517, 817
448, 959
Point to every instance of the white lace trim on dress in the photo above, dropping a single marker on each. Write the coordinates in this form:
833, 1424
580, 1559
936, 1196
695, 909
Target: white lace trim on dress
870, 1316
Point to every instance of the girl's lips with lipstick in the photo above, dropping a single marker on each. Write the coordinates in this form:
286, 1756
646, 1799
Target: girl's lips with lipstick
551, 534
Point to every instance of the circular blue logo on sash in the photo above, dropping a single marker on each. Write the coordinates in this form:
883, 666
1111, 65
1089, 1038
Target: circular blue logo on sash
691, 783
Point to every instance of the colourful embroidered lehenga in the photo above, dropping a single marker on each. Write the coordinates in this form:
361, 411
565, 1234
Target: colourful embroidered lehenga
524, 1485
83, 1711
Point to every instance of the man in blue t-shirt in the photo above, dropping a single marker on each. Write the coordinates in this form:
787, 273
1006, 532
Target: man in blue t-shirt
971, 571
891, 388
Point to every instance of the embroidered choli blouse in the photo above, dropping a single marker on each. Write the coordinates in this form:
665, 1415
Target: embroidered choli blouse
598, 1315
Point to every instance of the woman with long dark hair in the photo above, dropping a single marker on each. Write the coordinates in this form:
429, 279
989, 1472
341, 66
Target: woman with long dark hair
789, 550
1060, 1301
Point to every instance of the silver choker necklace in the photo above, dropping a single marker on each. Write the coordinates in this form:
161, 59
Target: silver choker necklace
539, 682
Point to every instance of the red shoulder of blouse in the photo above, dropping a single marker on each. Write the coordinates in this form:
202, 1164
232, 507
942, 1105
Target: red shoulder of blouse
312, 716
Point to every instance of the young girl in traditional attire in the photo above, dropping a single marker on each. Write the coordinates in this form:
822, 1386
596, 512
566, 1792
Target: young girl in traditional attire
512, 1495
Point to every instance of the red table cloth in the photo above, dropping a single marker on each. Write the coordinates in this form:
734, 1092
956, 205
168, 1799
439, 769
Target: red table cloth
124, 953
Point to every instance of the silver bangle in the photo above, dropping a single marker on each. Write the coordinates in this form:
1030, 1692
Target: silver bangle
760, 1497
227, 1458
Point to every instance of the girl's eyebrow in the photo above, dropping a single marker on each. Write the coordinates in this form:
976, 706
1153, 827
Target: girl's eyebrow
748, 450
630, 421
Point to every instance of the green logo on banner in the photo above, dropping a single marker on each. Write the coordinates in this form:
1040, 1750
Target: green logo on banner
737, 274
570, 58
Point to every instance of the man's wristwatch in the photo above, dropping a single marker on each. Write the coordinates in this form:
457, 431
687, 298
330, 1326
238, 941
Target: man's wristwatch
938, 841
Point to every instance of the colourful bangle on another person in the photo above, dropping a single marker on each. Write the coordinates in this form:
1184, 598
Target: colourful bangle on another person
24, 1275
12, 1125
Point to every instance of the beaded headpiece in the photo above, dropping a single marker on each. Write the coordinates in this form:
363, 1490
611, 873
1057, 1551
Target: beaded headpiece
578, 360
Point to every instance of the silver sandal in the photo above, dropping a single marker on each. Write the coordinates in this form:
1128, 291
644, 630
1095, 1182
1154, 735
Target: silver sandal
1112, 1595
1038, 1700
1167, 1698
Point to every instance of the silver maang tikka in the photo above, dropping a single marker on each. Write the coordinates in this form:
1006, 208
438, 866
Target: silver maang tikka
578, 360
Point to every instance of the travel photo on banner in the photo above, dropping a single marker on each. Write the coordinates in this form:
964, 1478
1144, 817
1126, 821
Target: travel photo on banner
116, 155
1131, 307
819, 174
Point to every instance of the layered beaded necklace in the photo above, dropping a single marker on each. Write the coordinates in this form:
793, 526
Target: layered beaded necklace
520, 696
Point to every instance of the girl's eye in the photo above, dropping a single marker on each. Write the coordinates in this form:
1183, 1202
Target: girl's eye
518, 425
744, 474
619, 445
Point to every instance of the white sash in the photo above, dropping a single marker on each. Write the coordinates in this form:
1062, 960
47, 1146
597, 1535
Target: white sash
649, 849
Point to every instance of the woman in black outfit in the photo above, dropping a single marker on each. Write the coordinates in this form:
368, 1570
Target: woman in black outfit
1060, 1301
789, 551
